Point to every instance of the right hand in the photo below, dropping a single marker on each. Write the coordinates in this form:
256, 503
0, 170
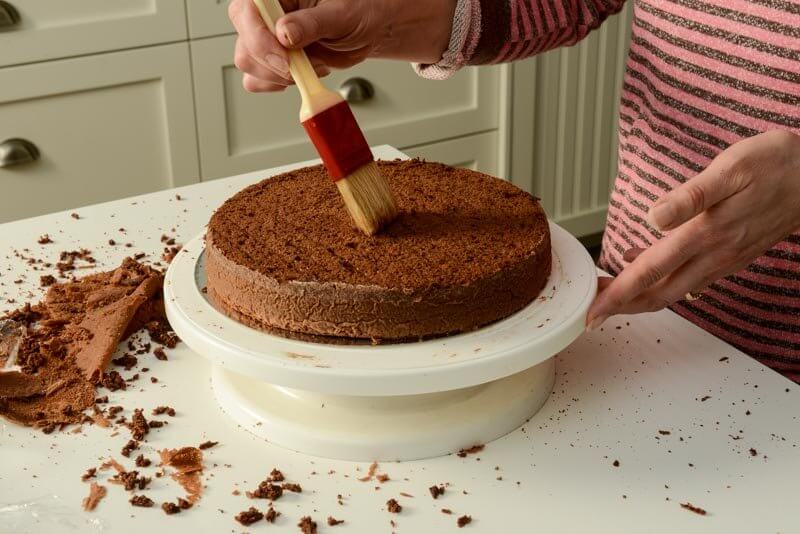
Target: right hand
337, 34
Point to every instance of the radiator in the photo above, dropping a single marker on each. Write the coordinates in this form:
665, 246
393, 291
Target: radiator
564, 125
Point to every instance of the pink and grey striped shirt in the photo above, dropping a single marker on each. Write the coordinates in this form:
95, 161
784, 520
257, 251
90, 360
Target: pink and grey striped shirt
701, 75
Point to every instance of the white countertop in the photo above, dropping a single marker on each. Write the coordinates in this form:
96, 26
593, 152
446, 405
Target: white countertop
615, 389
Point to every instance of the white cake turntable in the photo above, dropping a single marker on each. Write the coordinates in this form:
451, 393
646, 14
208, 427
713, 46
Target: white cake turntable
386, 402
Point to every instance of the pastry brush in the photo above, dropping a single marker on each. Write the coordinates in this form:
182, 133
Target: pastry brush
333, 130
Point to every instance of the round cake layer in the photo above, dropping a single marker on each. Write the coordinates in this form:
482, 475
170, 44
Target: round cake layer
466, 250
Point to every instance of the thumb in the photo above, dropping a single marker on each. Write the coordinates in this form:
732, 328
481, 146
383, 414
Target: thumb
328, 20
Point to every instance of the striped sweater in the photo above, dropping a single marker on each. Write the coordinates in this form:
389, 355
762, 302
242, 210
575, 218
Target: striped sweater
701, 75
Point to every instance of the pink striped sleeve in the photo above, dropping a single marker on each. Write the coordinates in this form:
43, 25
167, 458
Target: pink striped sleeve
495, 31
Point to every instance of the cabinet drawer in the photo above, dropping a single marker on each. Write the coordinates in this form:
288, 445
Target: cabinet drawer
477, 152
239, 131
208, 17
106, 126
49, 29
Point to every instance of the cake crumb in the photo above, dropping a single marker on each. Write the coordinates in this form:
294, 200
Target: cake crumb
332, 522
436, 491
271, 515
142, 501
170, 508
393, 506
692, 508
248, 517
291, 486
463, 521
471, 450
307, 525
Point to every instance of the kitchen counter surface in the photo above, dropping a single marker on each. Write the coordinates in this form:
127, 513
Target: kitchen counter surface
646, 414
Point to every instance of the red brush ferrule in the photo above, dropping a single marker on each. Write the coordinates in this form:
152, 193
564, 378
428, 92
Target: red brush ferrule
339, 141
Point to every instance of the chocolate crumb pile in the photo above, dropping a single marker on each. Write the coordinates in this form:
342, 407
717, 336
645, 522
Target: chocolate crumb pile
63, 344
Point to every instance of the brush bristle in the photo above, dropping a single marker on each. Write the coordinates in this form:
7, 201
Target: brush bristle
368, 198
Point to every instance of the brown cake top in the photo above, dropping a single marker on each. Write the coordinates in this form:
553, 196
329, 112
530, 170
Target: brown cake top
455, 226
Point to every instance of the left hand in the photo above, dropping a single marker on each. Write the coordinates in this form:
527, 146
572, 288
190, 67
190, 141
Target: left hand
721, 220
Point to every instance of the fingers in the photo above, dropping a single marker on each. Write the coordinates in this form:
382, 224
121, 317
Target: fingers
256, 38
260, 77
258, 67
694, 275
716, 183
327, 20
648, 269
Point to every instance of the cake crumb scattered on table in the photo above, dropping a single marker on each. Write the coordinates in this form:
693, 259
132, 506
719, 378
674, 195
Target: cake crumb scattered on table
307, 525
393, 506
248, 517
142, 501
692, 508
471, 450
436, 491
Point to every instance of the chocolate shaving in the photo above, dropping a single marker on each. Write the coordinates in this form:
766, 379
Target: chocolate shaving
692, 508
96, 493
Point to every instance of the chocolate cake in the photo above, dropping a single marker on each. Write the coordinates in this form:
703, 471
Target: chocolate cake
467, 250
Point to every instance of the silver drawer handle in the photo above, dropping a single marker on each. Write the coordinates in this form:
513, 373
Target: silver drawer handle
9, 16
355, 90
17, 152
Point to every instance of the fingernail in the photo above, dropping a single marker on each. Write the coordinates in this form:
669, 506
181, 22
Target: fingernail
631, 254
278, 63
292, 33
596, 323
662, 215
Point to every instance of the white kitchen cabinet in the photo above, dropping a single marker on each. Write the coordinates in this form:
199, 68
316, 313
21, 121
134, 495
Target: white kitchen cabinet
105, 126
477, 152
208, 17
36, 30
240, 131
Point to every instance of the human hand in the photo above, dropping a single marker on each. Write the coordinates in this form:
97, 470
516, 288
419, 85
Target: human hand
337, 34
721, 220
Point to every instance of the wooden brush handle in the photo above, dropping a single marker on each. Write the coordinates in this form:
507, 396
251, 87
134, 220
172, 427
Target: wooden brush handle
316, 97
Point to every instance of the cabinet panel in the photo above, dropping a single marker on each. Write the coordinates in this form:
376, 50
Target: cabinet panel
208, 17
50, 29
476, 152
239, 131
106, 126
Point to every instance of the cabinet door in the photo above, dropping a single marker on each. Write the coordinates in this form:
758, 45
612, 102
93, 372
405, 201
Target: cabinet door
476, 152
47, 29
239, 132
106, 126
208, 17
